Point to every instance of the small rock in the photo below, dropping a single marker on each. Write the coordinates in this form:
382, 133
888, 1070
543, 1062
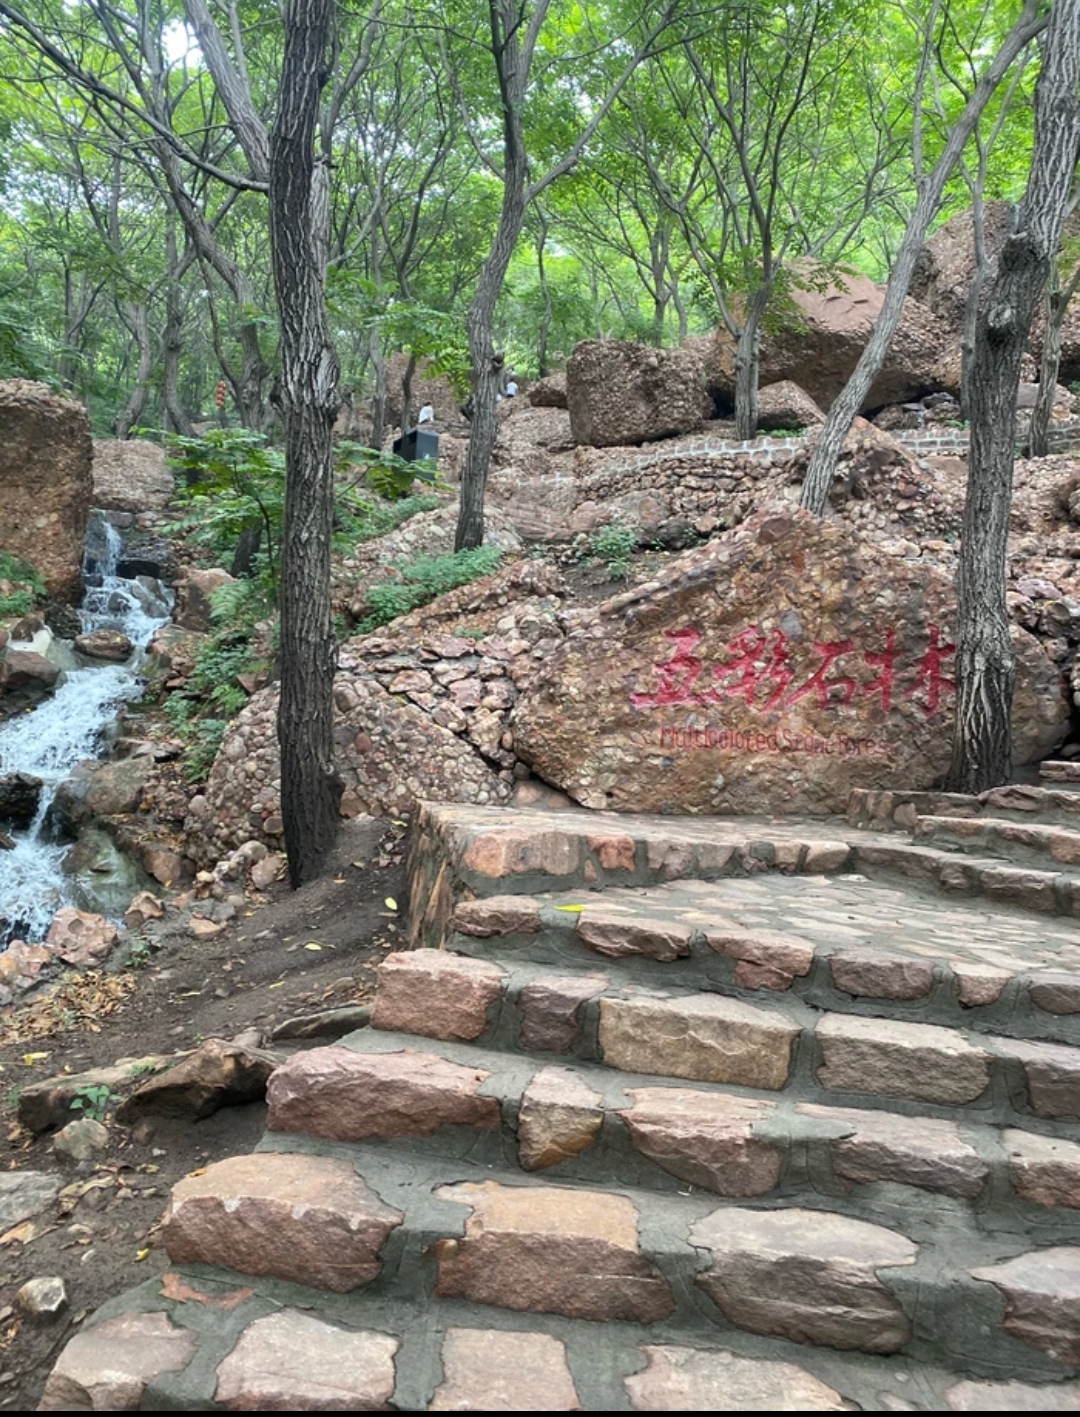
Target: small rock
79, 1141
218, 1074
42, 1299
104, 644
265, 872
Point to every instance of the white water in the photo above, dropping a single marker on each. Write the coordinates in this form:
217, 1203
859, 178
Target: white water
64, 730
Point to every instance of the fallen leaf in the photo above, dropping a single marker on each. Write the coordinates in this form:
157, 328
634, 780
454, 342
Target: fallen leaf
390, 903
571, 909
31, 1058
141, 1254
279, 985
339, 880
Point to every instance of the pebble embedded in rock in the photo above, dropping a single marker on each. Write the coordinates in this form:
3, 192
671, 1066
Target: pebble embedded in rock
43, 1298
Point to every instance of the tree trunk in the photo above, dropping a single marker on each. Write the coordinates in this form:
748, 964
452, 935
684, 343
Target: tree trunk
133, 411
971, 304
177, 420
406, 394
1057, 302
307, 396
748, 365
982, 742
826, 453
486, 364
378, 398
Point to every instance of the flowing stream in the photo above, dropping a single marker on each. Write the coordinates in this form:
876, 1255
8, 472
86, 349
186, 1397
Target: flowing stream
49, 740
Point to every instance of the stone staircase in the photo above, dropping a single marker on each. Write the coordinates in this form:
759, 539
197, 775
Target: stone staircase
661, 1114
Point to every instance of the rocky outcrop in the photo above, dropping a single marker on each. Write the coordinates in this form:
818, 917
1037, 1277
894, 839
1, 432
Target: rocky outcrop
422, 712
19, 796
771, 671
45, 482
132, 475
817, 339
620, 392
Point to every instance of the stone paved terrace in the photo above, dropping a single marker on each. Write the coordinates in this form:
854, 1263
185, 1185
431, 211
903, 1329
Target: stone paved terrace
678, 1114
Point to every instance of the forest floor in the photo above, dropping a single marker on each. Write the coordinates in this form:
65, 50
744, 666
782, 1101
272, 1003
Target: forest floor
99, 1234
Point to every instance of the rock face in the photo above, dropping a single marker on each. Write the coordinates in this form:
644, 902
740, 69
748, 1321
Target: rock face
131, 475
817, 343
104, 644
620, 392
45, 484
773, 670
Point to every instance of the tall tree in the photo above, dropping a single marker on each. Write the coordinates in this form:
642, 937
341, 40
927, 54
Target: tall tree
985, 671
515, 33
930, 187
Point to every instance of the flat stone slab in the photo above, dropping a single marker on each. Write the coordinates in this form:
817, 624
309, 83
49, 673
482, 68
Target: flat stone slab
25, 1193
807, 1275
912, 1151
899, 1059
552, 1009
1042, 1294
559, 1116
435, 994
1013, 1397
1043, 1170
291, 1362
491, 1370
308, 1219
552, 1251
705, 1138
1051, 1073
108, 1366
680, 1379
702, 1037
346, 1096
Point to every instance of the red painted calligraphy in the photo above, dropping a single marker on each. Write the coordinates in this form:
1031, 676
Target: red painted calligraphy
886, 661
677, 675
928, 675
821, 684
755, 665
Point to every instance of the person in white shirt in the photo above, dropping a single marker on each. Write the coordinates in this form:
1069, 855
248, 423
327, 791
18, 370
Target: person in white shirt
426, 415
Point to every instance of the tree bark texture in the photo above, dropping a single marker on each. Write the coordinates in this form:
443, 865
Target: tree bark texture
971, 305
307, 398
985, 671
139, 324
748, 365
1056, 304
826, 454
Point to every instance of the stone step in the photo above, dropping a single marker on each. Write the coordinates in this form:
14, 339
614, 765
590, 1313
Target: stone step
1022, 802
463, 853
1060, 770
487, 1240
840, 943
593, 1125
1049, 845
359, 1352
705, 1036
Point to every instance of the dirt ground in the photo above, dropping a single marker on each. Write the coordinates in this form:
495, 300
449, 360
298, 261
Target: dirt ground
99, 1235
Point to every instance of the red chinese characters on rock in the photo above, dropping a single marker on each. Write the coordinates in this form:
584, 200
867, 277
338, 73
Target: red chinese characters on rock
758, 670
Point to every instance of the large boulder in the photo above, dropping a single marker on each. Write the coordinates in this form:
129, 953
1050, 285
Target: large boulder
19, 796
45, 482
786, 406
194, 592
548, 392
101, 790
771, 671
131, 475
619, 392
943, 277
816, 340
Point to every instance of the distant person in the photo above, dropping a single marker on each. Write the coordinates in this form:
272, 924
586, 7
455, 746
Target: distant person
426, 415
511, 387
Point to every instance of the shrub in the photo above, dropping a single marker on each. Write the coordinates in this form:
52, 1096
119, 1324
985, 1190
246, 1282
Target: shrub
423, 580
26, 592
613, 545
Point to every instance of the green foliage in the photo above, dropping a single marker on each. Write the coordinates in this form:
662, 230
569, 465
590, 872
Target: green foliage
27, 587
94, 1101
423, 580
613, 545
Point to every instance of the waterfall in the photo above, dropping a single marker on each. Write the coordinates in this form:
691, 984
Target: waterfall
68, 728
